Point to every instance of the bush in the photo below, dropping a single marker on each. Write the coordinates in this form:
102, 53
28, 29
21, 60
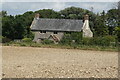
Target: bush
100, 41
66, 40
27, 40
95, 41
4, 40
86, 41
23, 44
70, 39
46, 41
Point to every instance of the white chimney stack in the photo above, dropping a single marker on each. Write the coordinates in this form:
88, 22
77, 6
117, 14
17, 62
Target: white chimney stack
37, 15
86, 29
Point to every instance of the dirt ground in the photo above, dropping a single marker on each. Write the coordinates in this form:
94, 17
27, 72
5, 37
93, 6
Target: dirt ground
29, 62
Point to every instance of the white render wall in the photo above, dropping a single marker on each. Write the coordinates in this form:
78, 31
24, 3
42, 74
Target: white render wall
86, 29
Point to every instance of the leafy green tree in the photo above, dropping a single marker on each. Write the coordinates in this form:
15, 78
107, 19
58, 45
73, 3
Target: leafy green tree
72, 16
7, 27
28, 18
48, 13
3, 13
118, 28
14, 27
72, 12
101, 29
112, 20
19, 27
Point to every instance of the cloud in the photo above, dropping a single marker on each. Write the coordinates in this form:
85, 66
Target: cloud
97, 6
60, 0
14, 8
21, 7
59, 5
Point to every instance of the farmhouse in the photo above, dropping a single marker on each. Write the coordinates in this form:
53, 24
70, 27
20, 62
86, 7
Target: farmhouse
54, 29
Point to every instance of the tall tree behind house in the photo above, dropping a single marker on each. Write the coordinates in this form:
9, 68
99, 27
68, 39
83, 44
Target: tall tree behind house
101, 28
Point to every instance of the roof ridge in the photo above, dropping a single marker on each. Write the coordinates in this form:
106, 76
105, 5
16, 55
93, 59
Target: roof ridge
60, 19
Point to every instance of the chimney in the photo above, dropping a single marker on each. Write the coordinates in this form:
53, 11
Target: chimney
86, 17
86, 29
37, 15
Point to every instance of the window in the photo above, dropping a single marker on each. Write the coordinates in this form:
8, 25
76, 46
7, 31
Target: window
55, 32
42, 31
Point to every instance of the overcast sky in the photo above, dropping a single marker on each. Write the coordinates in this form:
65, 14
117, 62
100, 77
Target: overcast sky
14, 8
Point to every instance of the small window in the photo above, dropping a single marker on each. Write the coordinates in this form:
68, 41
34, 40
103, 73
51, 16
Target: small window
55, 32
42, 31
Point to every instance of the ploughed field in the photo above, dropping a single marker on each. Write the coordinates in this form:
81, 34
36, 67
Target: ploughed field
30, 62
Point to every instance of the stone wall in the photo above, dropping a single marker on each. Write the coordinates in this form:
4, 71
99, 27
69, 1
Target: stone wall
40, 36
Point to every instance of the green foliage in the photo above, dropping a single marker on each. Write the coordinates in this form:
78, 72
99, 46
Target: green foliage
99, 41
4, 40
101, 29
7, 27
96, 41
86, 41
17, 27
102, 25
1, 39
72, 12
66, 39
27, 40
3, 13
77, 36
117, 29
112, 20
30, 35
76, 13
73, 16
46, 41
70, 38
48, 13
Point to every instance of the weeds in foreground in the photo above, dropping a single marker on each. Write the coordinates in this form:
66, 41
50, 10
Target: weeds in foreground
75, 46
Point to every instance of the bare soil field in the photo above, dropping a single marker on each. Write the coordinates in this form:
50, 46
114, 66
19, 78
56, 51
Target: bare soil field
30, 62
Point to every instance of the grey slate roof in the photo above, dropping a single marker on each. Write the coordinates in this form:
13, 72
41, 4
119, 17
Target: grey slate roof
57, 24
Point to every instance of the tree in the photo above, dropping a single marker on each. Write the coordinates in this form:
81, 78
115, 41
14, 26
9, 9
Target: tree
101, 28
48, 13
19, 27
16, 27
118, 30
3, 13
73, 16
119, 13
72, 11
112, 20
7, 26
28, 18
